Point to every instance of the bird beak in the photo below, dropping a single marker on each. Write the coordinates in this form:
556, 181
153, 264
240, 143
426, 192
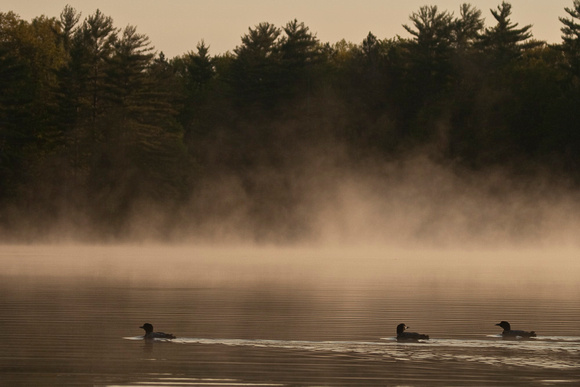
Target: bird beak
498, 325
141, 327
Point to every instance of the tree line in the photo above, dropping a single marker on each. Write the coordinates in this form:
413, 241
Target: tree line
95, 124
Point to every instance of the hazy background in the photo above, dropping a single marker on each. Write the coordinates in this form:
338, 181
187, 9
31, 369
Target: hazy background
175, 27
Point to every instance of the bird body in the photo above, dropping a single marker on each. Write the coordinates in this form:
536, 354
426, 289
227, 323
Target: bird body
149, 334
409, 336
510, 334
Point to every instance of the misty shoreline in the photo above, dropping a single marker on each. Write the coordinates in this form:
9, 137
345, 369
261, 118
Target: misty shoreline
465, 133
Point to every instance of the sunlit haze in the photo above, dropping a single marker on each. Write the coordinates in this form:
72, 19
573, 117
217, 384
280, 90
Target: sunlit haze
268, 193
175, 27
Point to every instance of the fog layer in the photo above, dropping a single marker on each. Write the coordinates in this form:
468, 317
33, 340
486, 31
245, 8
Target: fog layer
326, 201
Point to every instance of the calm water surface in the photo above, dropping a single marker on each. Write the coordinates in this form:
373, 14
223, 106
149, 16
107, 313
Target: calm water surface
70, 315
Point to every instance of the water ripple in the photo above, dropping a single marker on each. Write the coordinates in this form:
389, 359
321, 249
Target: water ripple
542, 353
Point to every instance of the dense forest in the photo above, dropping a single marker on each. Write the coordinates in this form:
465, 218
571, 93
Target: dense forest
98, 128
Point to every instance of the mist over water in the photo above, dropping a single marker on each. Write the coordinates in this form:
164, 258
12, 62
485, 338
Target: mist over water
450, 259
406, 204
299, 275
321, 201
285, 315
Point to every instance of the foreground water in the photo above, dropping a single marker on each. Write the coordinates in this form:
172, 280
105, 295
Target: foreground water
71, 315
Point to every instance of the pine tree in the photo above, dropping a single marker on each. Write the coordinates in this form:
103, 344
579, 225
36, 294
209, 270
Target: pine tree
505, 42
571, 38
92, 47
468, 27
255, 72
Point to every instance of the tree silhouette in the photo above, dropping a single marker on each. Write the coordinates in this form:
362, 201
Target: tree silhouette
571, 37
95, 123
504, 41
256, 66
468, 27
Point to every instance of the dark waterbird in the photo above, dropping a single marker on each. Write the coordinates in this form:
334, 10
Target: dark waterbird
409, 336
510, 334
149, 334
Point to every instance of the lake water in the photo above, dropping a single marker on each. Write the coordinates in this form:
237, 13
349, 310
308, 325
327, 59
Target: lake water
70, 315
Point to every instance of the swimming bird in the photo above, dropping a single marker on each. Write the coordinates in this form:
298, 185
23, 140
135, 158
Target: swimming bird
149, 334
409, 336
508, 333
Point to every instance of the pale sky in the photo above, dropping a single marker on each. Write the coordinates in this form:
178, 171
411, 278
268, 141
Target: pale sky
176, 26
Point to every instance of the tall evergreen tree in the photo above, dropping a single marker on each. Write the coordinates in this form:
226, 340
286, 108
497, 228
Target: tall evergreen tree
571, 37
68, 88
197, 71
299, 52
255, 71
504, 41
299, 46
468, 27
143, 142
200, 68
69, 19
82, 90
431, 48
432, 33
15, 102
30, 54
92, 48
428, 69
